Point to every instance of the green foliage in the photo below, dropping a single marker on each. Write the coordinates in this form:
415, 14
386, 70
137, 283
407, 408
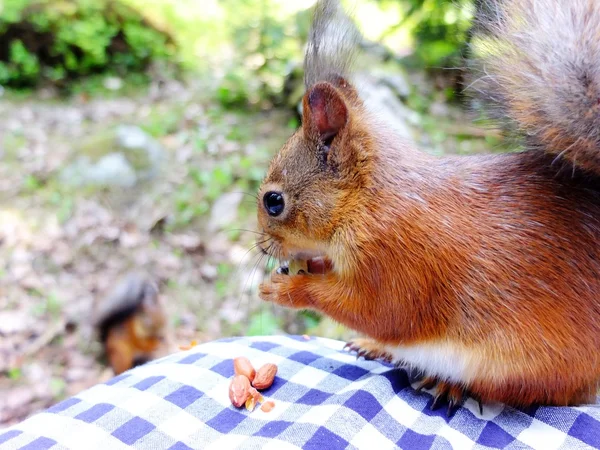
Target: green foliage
265, 38
163, 122
240, 170
63, 204
234, 90
24, 64
56, 40
263, 323
31, 183
442, 31
239, 173
50, 305
311, 319
58, 387
439, 29
15, 373
268, 41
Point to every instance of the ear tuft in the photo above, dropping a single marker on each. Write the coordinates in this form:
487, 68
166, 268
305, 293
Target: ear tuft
327, 113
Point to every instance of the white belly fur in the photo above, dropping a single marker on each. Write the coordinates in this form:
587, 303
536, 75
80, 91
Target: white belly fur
445, 360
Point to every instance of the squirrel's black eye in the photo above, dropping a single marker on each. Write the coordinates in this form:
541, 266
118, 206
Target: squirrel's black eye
274, 203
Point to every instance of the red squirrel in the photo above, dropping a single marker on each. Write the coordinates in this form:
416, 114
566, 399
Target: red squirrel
482, 272
131, 322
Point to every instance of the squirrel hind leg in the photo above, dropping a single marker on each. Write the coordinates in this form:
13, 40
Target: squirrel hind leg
369, 349
426, 383
120, 354
453, 395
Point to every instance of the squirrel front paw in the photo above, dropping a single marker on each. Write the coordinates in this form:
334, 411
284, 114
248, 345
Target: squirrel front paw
283, 289
269, 290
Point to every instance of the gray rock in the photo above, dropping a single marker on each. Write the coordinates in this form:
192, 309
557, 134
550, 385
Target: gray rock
113, 83
141, 149
118, 158
382, 101
209, 272
110, 170
14, 322
381, 90
398, 83
224, 211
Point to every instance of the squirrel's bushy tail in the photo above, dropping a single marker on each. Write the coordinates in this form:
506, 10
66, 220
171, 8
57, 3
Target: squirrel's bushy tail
539, 65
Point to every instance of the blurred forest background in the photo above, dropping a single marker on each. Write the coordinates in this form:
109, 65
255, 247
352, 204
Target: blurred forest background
133, 135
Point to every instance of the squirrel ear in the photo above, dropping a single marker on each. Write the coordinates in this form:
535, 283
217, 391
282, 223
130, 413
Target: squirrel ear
325, 111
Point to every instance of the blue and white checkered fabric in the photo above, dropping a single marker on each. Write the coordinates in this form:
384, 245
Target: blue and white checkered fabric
324, 399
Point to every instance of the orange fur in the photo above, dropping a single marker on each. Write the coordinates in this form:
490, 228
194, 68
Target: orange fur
119, 351
492, 252
497, 256
135, 338
130, 340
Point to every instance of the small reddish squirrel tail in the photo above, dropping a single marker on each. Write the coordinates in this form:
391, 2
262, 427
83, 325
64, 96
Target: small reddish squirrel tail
538, 64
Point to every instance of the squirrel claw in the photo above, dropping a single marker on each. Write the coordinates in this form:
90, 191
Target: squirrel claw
427, 383
437, 402
353, 348
479, 403
454, 405
368, 349
453, 394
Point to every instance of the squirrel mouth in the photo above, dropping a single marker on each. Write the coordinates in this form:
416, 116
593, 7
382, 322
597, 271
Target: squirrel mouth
317, 265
